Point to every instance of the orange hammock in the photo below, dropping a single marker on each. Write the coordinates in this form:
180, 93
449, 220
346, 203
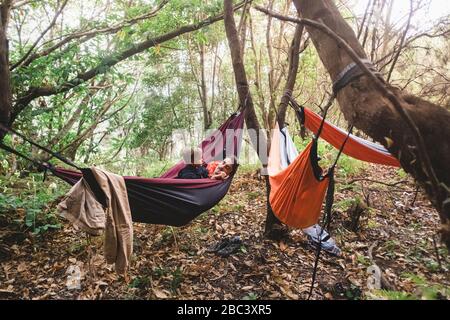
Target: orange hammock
355, 147
297, 191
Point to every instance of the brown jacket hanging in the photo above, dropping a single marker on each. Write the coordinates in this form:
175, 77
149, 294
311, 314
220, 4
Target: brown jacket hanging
82, 209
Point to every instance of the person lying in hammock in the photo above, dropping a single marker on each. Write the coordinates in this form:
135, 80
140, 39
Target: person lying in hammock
194, 168
221, 170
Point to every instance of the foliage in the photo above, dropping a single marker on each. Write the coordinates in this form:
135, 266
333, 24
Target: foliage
32, 209
424, 291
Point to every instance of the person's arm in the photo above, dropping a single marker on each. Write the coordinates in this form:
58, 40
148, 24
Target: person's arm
219, 176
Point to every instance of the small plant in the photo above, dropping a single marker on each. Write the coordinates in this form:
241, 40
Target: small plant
160, 271
391, 247
401, 173
372, 224
390, 295
424, 291
32, 208
251, 296
363, 260
177, 278
348, 166
353, 293
140, 282
253, 195
167, 235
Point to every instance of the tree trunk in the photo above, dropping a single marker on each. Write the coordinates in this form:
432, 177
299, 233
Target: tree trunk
368, 109
294, 58
5, 85
272, 227
245, 98
203, 96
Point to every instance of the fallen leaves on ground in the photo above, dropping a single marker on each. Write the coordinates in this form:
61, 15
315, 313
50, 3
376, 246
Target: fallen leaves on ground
172, 263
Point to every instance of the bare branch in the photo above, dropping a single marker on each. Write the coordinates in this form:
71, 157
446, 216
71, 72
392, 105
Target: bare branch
84, 36
402, 41
33, 46
380, 85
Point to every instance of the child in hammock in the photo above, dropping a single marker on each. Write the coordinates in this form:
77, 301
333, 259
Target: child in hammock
194, 168
221, 170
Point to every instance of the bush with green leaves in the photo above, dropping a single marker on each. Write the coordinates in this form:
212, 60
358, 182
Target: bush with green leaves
28, 202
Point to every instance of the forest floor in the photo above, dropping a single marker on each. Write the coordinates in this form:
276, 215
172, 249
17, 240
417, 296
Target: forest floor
397, 227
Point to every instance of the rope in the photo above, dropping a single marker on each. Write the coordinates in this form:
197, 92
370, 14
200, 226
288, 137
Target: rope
55, 154
18, 153
329, 200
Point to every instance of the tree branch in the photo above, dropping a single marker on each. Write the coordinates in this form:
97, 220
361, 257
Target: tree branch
402, 41
106, 63
33, 46
87, 35
380, 85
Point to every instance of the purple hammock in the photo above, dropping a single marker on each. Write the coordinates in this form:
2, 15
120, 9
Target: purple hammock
167, 200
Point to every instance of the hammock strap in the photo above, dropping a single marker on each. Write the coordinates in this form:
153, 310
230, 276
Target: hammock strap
325, 112
20, 154
329, 201
326, 222
45, 149
351, 72
300, 113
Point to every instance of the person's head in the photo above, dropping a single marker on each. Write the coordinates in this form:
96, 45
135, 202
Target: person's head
228, 164
193, 156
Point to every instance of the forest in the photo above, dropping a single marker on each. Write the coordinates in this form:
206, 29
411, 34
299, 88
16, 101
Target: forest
220, 149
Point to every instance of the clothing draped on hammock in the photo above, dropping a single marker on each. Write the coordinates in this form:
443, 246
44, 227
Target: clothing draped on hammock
114, 219
170, 201
212, 167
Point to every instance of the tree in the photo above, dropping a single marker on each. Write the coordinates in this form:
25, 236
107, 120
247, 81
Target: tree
368, 109
240, 76
5, 85
273, 225
23, 99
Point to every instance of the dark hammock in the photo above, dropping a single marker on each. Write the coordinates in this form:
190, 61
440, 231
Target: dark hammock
170, 201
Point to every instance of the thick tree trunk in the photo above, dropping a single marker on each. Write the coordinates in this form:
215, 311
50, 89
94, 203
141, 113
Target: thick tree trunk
5, 85
372, 112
